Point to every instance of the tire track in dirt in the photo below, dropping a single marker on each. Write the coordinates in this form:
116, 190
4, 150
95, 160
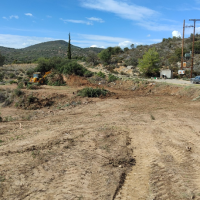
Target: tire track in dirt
176, 179
70, 174
172, 170
85, 153
136, 183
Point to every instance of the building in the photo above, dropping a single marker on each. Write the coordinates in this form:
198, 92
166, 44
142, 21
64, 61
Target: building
166, 73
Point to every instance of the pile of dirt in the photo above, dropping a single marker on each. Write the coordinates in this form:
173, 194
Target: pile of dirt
73, 80
31, 102
54, 78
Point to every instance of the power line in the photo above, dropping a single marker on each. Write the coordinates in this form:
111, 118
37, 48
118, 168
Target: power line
193, 45
183, 42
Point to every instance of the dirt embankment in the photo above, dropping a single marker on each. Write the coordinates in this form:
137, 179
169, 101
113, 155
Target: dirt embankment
142, 142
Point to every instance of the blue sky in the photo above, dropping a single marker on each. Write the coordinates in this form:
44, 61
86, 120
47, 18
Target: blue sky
100, 23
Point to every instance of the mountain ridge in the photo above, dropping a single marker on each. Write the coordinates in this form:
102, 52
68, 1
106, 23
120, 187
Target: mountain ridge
45, 49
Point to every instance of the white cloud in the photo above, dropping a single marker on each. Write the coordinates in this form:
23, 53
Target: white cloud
76, 21
125, 44
176, 34
121, 8
197, 30
148, 35
94, 45
103, 38
48, 16
143, 16
80, 40
96, 19
16, 41
14, 16
84, 40
90, 22
29, 14
152, 26
103, 47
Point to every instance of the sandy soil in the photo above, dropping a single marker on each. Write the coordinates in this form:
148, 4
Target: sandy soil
138, 144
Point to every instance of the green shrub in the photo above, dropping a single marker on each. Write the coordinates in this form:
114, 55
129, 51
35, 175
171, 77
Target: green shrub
131, 61
54, 79
73, 68
1, 76
2, 97
101, 74
91, 92
20, 85
111, 78
30, 72
33, 86
11, 82
12, 75
88, 73
31, 98
105, 56
17, 92
126, 49
19, 78
45, 65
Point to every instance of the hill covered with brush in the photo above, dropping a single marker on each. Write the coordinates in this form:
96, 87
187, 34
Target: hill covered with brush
46, 49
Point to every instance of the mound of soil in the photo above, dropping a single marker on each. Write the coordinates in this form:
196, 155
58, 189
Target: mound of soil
54, 79
74, 80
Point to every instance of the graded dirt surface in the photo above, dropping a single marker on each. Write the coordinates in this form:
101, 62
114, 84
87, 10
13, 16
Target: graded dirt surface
139, 144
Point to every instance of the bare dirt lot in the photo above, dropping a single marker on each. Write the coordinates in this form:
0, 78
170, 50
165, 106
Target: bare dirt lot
141, 143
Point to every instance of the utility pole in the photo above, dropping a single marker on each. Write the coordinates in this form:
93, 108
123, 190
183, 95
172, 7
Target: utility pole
183, 42
193, 45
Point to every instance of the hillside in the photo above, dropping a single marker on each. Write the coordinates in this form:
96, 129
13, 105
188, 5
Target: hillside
169, 50
45, 49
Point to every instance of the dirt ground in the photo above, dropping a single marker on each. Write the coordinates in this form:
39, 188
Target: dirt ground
137, 144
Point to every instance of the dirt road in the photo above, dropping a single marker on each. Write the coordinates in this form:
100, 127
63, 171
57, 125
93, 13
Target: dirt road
174, 81
133, 145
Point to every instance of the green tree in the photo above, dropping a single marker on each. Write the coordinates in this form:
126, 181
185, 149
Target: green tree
149, 64
132, 46
105, 56
92, 57
126, 49
196, 47
73, 68
69, 49
110, 49
43, 65
173, 59
117, 50
178, 52
2, 59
